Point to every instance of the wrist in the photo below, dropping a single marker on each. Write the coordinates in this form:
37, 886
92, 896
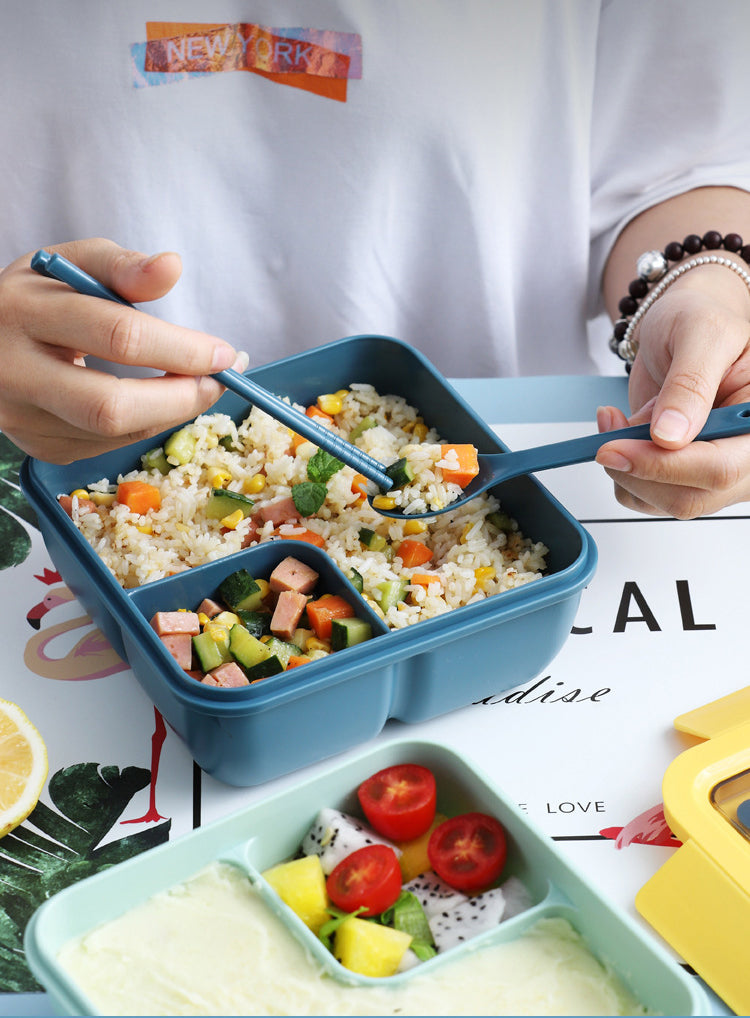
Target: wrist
707, 258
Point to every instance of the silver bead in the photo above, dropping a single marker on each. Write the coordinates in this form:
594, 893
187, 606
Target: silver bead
651, 266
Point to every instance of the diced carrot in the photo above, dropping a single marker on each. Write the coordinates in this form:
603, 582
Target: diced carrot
321, 613
139, 496
413, 553
315, 411
468, 464
359, 484
297, 659
424, 579
300, 534
297, 441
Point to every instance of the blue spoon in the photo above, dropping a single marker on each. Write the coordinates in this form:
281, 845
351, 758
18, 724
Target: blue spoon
57, 267
497, 467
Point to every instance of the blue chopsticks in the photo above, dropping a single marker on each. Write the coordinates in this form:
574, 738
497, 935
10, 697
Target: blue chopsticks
57, 267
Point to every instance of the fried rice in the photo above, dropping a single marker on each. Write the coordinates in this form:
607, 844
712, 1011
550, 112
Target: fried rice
476, 550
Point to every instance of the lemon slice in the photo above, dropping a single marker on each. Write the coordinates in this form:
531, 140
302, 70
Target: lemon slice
23, 766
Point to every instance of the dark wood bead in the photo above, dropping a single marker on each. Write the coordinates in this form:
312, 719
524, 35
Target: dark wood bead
638, 288
673, 252
732, 242
745, 253
692, 244
621, 327
712, 240
628, 306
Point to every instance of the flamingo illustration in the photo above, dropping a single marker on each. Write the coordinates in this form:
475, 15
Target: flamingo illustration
648, 828
92, 657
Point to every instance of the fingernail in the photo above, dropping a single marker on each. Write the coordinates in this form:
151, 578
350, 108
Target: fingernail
224, 357
614, 461
603, 418
145, 264
242, 362
670, 426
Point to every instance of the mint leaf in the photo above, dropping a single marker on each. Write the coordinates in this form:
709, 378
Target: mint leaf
308, 497
322, 466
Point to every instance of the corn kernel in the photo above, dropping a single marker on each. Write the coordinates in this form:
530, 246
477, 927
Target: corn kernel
212, 441
483, 575
145, 528
103, 497
203, 619
342, 392
414, 527
265, 587
384, 502
80, 493
253, 485
330, 403
465, 533
314, 643
220, 479
216, 630
420, 431
232, 521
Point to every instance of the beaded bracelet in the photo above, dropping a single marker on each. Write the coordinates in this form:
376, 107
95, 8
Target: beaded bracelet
652, 268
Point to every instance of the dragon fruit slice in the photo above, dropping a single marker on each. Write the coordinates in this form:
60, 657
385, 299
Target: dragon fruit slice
335, 835
456, 925
517, 897
433, 894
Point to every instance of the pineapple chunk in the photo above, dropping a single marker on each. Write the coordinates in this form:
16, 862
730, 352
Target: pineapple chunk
370, 949
301, 884
414, 859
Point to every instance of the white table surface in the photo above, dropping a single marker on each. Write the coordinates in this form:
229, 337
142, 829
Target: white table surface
598, 781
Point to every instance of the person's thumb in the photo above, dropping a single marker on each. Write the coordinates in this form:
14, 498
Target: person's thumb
131, 274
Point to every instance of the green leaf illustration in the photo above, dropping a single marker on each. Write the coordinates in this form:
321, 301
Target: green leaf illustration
15, 543
52, 850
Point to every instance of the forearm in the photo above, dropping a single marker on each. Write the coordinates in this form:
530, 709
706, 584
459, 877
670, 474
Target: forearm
726, 209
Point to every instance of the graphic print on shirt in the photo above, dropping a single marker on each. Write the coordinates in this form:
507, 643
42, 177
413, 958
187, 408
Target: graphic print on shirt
315, 60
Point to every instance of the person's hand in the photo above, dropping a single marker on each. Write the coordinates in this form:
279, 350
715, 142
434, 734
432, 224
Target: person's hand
694, 355
54, 407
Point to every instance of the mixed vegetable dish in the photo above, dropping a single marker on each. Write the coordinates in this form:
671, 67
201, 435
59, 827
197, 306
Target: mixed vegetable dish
260, 627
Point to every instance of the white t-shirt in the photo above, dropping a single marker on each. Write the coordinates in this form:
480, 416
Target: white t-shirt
462, 195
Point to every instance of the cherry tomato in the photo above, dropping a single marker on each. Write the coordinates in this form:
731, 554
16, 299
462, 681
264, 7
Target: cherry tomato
399, 801
468, 851
369, 877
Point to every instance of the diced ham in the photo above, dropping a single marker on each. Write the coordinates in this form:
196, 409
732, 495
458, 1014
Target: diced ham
251, 534
180, 646
283, 510
167, 623
287, 613
228, 675
85, 505
209, 608
291, 574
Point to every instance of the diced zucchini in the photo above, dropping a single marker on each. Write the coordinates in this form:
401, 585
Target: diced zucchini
155, 459
390, 593
364, 425
301, 635
282, 649
209, 652
247, 649
355, 578
240, 591
400, 473
256, 623
227, 442
222, 503
348, 632
372, 540
500, 521
271, 666
179, 448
